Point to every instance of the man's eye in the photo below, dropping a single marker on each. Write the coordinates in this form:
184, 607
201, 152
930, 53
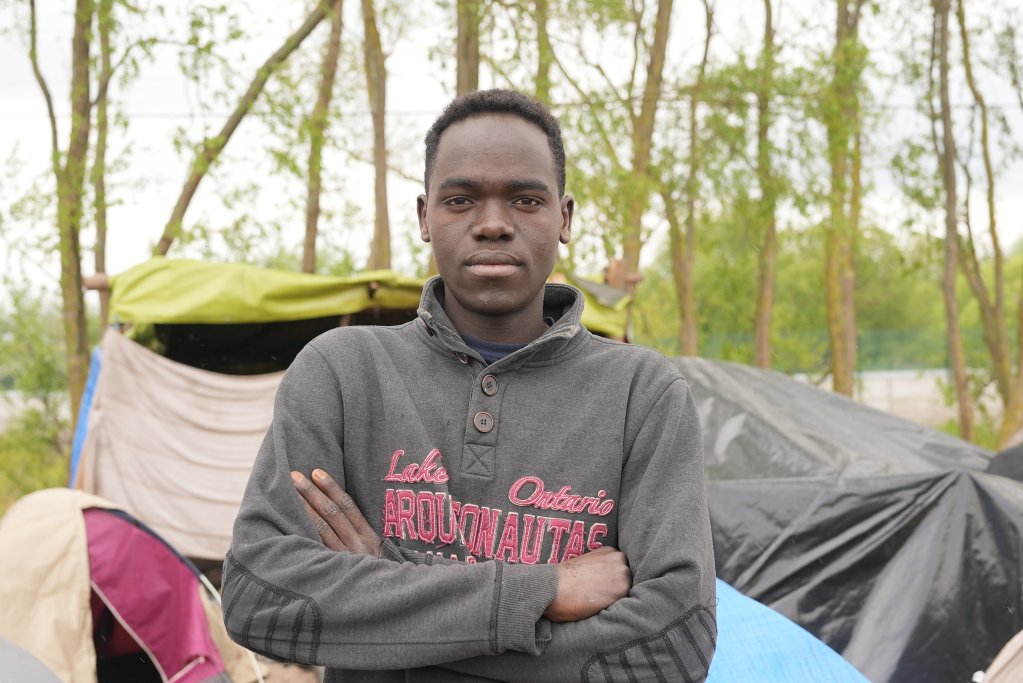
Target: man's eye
457, 201
528, 201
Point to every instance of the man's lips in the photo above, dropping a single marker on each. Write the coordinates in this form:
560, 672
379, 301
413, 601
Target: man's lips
492, 264
491, 258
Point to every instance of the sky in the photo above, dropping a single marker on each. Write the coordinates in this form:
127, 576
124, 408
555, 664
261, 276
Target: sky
162, 100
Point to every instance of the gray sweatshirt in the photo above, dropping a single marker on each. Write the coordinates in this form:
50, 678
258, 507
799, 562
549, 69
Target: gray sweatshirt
479, 478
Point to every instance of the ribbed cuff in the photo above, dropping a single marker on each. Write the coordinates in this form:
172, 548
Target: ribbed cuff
394, 552
389, 551
526, 590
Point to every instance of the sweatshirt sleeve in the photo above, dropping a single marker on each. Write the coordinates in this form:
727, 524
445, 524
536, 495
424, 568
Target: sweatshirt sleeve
665, 629
289, 597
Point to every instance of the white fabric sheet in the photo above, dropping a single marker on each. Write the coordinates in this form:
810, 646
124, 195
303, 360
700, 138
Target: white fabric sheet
174, 444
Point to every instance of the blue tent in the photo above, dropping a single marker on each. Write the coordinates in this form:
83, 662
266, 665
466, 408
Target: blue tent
755, 643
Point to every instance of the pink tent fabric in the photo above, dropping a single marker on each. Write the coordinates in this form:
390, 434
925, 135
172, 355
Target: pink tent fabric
153, 595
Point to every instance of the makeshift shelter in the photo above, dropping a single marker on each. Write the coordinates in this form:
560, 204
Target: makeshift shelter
885, 539
92, 594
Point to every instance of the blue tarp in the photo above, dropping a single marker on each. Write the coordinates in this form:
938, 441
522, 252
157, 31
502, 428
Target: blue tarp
755, 643
82, 425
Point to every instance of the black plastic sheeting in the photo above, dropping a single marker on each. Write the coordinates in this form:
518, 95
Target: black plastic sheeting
885, 539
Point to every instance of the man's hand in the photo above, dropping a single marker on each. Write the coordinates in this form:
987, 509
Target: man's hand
336, 517
589, 583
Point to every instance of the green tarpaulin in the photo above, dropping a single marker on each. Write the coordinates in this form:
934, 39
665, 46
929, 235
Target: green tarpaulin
178, 291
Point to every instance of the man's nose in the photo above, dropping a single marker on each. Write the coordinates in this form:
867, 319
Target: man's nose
493, 221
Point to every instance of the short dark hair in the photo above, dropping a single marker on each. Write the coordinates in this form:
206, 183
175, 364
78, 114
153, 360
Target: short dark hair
498, 101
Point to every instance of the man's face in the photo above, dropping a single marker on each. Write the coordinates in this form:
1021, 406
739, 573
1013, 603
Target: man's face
493, 216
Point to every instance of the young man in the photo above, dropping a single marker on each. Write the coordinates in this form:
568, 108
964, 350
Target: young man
514, 467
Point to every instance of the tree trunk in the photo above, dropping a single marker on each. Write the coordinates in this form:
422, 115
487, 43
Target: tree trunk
1014, 411
376, 86
642, 141
212, 147
957, 356
544, 52
995, 324
688, 340
104, 21
317, 132
848, 264
841, 112
70, 180
468, 57
994, 330
681, 272
768, 200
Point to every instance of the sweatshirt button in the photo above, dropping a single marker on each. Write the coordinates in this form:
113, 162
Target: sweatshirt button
483, 422
489, 385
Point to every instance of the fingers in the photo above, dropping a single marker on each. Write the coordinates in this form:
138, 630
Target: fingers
327, 534
338, 520
329, 513
329, 486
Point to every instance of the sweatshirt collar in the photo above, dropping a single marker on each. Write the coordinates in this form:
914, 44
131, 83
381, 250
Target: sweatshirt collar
562, 302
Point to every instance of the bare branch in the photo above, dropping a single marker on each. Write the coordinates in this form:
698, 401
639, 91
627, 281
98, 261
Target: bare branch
41, 80
212, 147
108, 74
1012, 58
592, 107
637, 50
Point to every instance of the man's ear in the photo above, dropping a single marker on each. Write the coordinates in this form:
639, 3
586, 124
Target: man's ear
424, 229
567, 209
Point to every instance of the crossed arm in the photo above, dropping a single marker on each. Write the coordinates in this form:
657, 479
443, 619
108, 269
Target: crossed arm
586, 584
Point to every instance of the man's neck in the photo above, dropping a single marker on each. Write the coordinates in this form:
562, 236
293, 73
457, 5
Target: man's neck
514, 329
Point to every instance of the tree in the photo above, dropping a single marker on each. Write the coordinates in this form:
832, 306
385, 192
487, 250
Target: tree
376, 87
613, 171
843, 121
544, 52
467, 59
996, 336
683, 247
210, 149
317, 125
946, 162
69, 175
104, 22
767, 205
642, 143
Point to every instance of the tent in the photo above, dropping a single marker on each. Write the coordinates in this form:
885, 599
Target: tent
92, 594
885, 539
755, 643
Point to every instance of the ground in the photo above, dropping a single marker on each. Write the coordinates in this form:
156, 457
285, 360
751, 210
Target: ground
291, 673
